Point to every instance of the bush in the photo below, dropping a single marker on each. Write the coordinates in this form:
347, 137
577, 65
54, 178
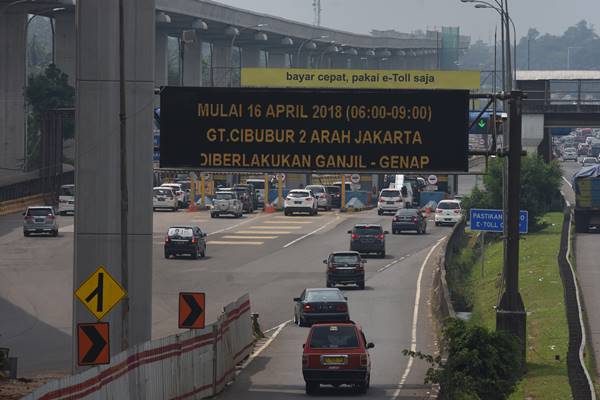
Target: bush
458, 270
481, 364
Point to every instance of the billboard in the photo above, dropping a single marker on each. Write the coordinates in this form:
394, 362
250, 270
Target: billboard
239, 129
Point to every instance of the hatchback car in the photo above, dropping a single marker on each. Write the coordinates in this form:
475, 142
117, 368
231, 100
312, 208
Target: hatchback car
345, 267
40, 219
163, 197
185, 239
226, 202
448, 212
409, 219
368, 238
300, 200
336, 354
390, 200
325, 305
336, 195
320, 193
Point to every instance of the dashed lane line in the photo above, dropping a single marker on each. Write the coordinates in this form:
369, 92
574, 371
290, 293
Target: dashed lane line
249, 237
288, 222
274, 227
311, 233
251, 232
396, 261
227, 242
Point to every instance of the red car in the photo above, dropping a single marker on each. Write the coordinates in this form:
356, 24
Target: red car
336, 354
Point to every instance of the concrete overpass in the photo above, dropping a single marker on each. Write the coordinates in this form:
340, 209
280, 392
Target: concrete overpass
262, 40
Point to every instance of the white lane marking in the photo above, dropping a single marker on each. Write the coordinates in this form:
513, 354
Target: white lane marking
413, 340
311, 233
288, 222
266, 344
232, 226
67, 228
219, 242
568, 183
263, 232
277, 326
273, 227
396, 261
249, 237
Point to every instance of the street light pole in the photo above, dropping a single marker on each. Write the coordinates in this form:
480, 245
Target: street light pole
297, 61
235, 33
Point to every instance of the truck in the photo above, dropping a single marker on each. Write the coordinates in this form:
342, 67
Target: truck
586, 184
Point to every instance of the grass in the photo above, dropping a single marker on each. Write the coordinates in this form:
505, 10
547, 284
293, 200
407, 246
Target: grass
542, 291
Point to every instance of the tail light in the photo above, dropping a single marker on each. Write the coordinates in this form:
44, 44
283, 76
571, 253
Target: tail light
167, 239
308, 198
308, 308
194, 241
355, 236
381, 200
364, 360
456, 211
415, 219
396, 218
304, 361
438, 210
360, 267
381, 236
51, 217
342, 308
28, 218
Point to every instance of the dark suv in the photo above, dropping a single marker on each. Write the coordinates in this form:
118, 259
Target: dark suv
252, 193
245, 197
409, 219
368, 238
345, 267
185, 239
336, 195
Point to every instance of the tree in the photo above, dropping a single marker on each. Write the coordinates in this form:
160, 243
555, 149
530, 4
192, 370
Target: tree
46, 91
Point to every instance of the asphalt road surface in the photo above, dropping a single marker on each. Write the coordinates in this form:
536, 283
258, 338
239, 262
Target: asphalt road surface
271, 256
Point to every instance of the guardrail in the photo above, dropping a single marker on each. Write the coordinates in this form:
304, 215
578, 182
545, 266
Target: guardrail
196, 364
20, 205
35, 186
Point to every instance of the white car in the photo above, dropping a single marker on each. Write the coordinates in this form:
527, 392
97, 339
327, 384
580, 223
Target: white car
66, 199
588, 161
163, 197
448, 212
323, 198
570, 154
226, 202
179, 192
390, 200
300, 200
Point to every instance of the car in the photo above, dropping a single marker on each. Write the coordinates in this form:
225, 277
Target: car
320, 193
226, 202
336, 195
409, 219
336, 354
253, 195
300, 201
163, 197
259, 188
448, 212
320, 304
40, 219
180, 193
185, 239
589, 161
390, 200
245, 197
368, 238
570, 154
345, 267
66, 199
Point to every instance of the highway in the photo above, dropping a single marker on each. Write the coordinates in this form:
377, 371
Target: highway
268, 255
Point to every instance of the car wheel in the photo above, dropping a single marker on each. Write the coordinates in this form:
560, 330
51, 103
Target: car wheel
437, 223
361, 285
316, 211
295, 319
328, 284
302, 322
55, 233
167, 254
379, 212
382, 254
26, 234
424, 229
312, 388
203, 253
362, 387
195, 254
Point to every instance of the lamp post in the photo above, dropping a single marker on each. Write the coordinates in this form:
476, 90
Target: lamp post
331, 48
235, 32
304, 42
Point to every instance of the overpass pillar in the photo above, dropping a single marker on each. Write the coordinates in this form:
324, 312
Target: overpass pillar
12, 82
97, 161
222, 69
161, 71
192, 62
398, 61
278, 59
340, 62
533, 132
251, 57
64, 39
304, 61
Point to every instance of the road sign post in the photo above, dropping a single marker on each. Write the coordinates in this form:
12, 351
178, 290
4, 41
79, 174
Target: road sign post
343, 201
279, 191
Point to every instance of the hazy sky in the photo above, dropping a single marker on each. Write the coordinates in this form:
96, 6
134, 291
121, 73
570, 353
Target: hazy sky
360, 16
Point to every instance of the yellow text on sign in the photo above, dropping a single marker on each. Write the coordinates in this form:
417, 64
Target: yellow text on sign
100, 293
359, 79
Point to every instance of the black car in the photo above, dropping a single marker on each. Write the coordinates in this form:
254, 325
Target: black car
409, 219
320, 305
345, 267
245, 197
185, 239
368, 238
336, 195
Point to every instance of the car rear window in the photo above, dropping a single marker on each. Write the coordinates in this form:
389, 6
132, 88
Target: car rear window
407, 211
315, 189
258, 184
39, 212
368, 230
332, 189
390, 193
324, 295
163, 192
181, 232
450, 205
298, 194
67, 191
224, 196
334, 337
345, 258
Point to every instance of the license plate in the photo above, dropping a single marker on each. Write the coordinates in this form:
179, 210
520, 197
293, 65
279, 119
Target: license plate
71, 202
39, 220
161, 199
332, 360
297, 202
390, 202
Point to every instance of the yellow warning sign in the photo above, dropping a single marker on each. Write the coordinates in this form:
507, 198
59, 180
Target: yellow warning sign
100, 293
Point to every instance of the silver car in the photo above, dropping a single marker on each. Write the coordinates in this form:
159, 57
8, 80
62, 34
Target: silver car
40, 219
226, 203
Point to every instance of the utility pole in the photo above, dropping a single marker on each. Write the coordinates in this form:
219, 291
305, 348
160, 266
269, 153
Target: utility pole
317, 9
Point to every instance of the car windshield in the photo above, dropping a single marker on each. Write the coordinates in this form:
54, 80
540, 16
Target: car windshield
449, 205
334, 337
298, 194
39, 212
368, 230
257, 184
180, 232
345, 258
224, 196
390, 193
407, 211
67, 191
332, 189
324, 295
315, 189
163, 192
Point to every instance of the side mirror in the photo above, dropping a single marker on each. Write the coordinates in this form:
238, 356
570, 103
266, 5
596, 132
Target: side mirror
296, 299
370, 345
23, 214
346, 297
303, 345
324, 261
204, 234
349, 231
386, 232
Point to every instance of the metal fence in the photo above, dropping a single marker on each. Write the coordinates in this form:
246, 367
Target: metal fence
193, 365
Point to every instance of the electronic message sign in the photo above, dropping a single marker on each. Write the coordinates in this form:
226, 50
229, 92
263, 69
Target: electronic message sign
327, 130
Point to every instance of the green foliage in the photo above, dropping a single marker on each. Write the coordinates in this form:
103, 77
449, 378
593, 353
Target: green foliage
540, 185
481, 364
46, 91
458, 270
